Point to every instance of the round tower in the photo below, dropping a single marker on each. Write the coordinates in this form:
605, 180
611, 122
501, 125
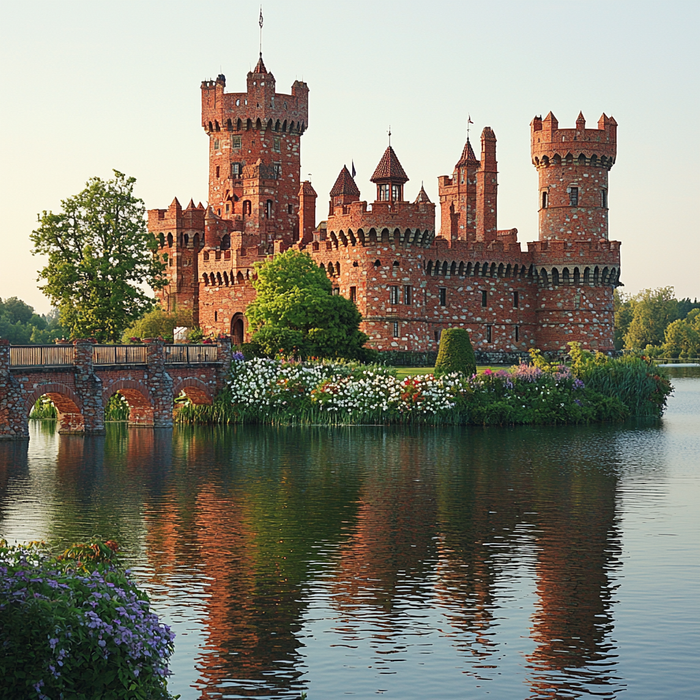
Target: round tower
575, 265
573, 166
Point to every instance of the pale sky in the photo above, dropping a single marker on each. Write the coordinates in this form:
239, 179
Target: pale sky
90, 85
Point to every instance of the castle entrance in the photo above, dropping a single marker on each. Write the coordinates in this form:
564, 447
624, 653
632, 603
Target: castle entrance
237, 329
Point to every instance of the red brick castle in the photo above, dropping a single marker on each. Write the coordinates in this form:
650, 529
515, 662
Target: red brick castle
408, 282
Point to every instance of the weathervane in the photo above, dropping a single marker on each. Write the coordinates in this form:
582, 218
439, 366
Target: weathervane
469, 121
260, 22
389, 132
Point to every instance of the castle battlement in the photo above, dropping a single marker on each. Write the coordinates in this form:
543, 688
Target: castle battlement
407, 283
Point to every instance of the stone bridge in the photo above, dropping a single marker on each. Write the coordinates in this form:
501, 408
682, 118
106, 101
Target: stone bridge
81, 377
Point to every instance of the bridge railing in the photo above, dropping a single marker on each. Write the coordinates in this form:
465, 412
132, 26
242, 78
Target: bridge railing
119, 355
190, 354
41, 355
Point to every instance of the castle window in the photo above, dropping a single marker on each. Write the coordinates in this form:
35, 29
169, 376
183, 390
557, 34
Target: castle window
489, 333
353, 293
545, 197
268, 209
442, 295
604, 198
484, 298
247, 207
396, 193
436, 335
516, 333
217, 144
407, 294
516, 300
383, 193
236, 169
161, 239
290, 208
228, 206
170, 240
217, 171
170, 260
573, 196
393, 295
235, 142
216, 316
336, 291
277, 144
396, 329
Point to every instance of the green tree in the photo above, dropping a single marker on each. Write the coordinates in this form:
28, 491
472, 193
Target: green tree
296, 312
681, 340
623, 305
654, 309
99, 256
21, 326
157, 324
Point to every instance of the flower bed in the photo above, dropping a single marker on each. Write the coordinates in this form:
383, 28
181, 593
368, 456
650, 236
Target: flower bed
76, 626
287, 392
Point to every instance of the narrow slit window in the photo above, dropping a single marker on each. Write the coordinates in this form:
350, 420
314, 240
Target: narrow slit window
516, 300
407, 295
573, 196
394, 295
353, 293
484, 298
489, 334
443, 296
545, 198
396, 329
604, 199
516, 333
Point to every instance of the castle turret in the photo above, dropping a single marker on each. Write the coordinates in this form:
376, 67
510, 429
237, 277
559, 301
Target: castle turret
577, 268
458, 198
262, 129
307, 212
390, 177
573, 166
487, 188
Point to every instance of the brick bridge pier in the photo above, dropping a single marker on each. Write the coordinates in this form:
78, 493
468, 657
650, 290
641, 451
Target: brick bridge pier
81, 377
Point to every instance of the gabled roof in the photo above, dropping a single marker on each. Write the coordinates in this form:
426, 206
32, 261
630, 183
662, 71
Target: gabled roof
468, 157
422, 196
345, 184
389, 168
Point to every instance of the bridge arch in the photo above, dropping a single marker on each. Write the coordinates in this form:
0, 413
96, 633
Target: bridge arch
197, 391
66, 401
137, 396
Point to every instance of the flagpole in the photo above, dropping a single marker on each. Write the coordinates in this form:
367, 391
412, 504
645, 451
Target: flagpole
260, 22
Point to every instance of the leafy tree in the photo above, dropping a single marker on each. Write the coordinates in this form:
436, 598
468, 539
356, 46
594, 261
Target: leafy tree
100, 254
295, 311
21, 326
157, 324
624, 311
456, 353
653, 310
681, 339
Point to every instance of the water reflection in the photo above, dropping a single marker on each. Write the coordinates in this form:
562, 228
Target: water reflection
491, 552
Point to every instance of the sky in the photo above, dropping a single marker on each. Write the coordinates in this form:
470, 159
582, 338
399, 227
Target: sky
92, 86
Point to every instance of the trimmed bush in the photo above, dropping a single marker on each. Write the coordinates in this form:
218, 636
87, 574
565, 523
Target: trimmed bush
456, 353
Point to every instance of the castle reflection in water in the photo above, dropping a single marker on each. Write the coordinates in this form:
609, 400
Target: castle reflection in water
251, 526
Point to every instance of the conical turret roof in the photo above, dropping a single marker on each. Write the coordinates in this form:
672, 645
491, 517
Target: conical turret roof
389, 168
260, 67
345, 184
422, 196
468, 157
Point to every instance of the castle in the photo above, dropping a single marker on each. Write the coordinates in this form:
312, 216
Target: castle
408, 281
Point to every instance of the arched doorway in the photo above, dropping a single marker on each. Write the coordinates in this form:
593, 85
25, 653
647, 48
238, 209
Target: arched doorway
238, 329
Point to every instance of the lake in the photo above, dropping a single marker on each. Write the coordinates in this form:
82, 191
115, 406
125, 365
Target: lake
403, 562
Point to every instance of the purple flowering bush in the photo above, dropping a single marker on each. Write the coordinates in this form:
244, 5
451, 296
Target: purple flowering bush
76, 626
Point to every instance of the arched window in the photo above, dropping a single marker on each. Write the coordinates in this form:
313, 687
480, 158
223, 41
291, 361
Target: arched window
170, 240
247, 207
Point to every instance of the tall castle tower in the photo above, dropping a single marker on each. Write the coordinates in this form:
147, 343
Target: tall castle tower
576, 267
254, 153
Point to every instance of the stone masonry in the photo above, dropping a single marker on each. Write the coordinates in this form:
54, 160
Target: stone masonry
409, 281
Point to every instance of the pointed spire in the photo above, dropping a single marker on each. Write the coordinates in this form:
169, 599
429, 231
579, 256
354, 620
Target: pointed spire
260, 67
468, 158
422, 196
345, 184
580, 122
190, 205
175, 204
200, 206
389, 168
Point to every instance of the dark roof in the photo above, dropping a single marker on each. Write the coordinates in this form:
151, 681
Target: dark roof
345, 184
260, 68
389, 168
422, 196
468, 157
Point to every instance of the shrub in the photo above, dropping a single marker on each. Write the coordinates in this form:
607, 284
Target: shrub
635, 380
456, 353
76, 626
